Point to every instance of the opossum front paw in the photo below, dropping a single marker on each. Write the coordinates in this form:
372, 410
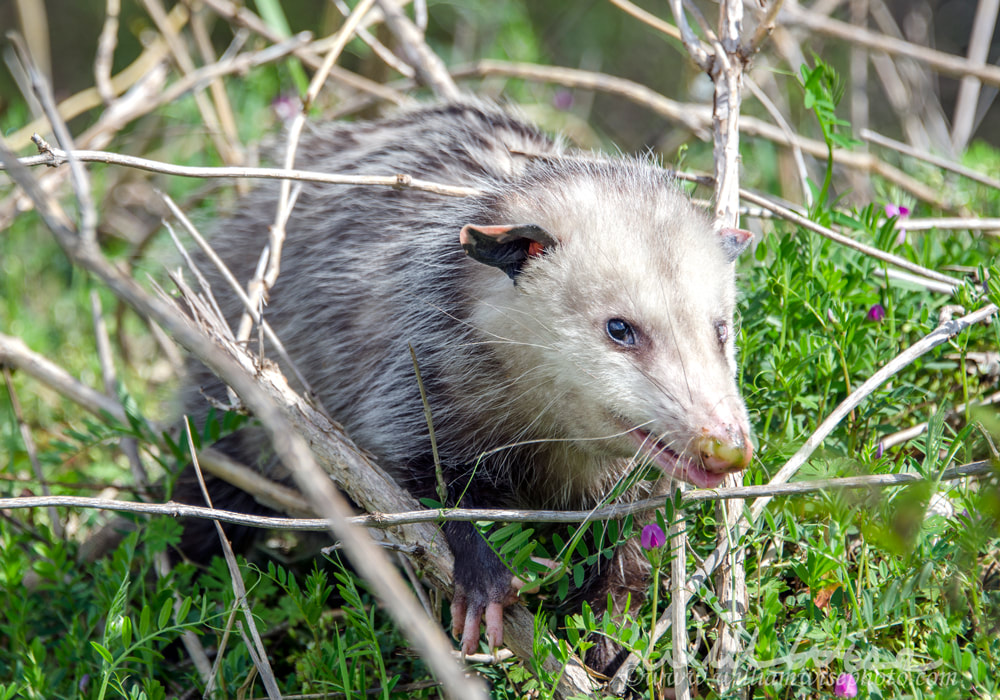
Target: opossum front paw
477, 604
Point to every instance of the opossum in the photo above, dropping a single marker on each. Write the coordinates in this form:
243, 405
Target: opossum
573, 319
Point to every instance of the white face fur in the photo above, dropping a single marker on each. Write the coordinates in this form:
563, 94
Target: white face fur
624, 328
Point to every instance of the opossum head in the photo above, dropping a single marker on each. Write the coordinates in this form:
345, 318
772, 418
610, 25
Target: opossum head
615, 321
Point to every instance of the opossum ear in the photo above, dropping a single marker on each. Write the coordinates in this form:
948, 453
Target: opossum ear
734, 241
506, 247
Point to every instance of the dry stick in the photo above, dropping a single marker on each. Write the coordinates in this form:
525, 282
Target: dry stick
948, 64
802, 221
968, 91
951, 223
728, 79
698, 117
380, 49
106, 52
912, 432
229, 65
430, 69
386, 521
678, 593
647, 18
800, 163
128, 444
693, 117
277, 237
29, 447
236, 369
148, 94
227, 120
764, 28
185, 64
698, 53
924, 84
81, 182
234, 285
936, 161
15, 354
939, 335
901, 82
243, 17
84, 100
57, 156
256, 646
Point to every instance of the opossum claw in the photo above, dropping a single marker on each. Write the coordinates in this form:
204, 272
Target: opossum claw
469, 612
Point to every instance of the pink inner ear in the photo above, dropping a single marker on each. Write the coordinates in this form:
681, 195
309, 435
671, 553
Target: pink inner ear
535, 249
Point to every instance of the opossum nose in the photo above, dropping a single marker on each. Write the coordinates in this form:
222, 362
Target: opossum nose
727, 448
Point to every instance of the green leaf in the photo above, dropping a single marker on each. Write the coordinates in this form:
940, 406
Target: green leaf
105, 654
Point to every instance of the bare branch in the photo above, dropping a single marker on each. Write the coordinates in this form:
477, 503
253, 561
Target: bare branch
937, 161
948, 64
56, 156
430, 69
106, 52
385, 521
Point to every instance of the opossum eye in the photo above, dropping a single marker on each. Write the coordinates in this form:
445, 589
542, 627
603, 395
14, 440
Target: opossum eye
621, 332
722, 331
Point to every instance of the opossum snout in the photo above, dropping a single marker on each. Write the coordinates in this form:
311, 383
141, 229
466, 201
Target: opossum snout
724, 448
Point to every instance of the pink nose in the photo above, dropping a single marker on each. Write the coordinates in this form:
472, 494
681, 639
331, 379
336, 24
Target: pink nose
725, 449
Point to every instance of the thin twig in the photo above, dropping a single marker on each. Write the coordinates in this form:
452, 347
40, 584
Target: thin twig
386, 521
56, 156
235, 286
29, 447
380, 49
256, 646
186, 65
81, 182
106, 52
765, 25
698, 118
698, 53
934, 160
128, 444
889, 258
430, 69
964, 119
948, 64
277, 235
648, 18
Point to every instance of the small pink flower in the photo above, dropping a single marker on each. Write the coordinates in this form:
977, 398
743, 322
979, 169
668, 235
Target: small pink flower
902, 212
652, 537
563, 100
876, 313
846, 686
285, 107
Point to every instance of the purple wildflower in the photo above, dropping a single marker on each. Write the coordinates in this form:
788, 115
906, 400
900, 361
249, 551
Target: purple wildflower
652, 537
563, 100
876, 313
880, 450
285, 107
902, 212
846, 686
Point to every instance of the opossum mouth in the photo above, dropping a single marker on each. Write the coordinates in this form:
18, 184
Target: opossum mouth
674, 465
